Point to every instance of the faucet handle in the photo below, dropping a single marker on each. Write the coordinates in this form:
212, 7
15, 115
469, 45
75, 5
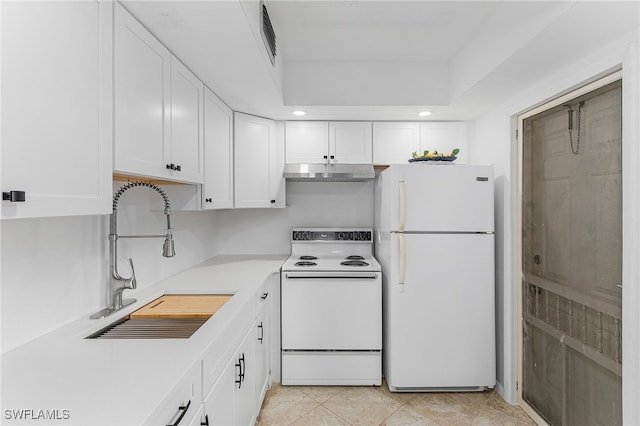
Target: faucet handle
131, 282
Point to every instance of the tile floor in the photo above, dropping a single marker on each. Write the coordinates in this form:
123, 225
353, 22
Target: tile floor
343, 405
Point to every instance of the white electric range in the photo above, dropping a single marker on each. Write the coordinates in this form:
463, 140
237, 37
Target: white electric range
331, 309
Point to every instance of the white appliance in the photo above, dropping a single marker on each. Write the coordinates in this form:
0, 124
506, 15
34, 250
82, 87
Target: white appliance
331, 307
434, 231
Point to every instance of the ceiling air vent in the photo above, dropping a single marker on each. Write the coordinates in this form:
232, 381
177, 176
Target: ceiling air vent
268, 34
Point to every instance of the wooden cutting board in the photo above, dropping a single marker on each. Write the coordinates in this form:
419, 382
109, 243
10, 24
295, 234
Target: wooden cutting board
183, 306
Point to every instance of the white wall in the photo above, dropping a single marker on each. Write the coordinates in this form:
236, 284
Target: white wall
495, 133
310, 204
54, 270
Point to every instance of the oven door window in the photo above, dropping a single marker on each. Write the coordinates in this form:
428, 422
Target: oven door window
331, 313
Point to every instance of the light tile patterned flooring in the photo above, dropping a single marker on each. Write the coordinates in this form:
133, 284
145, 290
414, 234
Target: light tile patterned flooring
343, 405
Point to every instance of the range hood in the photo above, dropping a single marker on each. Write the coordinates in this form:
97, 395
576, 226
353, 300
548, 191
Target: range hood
328, 172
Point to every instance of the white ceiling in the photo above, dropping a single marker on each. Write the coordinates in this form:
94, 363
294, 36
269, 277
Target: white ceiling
433, 31
381, 59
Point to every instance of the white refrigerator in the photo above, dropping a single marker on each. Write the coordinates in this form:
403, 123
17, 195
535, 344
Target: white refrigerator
434, 237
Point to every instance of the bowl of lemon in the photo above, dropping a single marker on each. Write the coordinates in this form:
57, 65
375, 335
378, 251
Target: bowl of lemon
434, 156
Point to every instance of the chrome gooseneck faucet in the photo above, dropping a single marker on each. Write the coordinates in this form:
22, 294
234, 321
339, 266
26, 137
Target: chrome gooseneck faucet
118, 283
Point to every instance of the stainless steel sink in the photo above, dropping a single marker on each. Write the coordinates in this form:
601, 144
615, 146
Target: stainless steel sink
149, 328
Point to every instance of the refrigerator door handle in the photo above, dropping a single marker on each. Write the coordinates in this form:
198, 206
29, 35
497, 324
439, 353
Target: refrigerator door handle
403, 205
401, 261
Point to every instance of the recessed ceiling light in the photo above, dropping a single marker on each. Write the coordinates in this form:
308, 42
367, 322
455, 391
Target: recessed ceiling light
424, 113
299, 113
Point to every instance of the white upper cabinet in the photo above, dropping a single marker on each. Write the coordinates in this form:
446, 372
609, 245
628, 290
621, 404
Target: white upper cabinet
393, 142
186, 124
350, 142
444, 137
158, 107
142, 98
217, 190
258, 162
339, 142
307, 141
56, 107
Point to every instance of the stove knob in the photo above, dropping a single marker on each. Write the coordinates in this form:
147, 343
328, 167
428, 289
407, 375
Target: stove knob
341, 235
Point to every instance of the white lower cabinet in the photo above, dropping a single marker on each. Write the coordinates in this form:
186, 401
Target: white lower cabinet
238, 389
231, 401
262, 338
200, 418
182, 403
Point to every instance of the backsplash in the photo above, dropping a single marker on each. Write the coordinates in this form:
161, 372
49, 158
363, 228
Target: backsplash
309, 204
54, 270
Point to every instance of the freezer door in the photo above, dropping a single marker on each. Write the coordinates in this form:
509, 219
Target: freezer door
429, 198
439, 327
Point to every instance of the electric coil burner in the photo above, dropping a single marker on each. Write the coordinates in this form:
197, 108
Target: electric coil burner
354, 263
331, 305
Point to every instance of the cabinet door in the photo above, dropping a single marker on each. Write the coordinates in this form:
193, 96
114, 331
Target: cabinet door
306, 141
444, 137
217, 191
393, 142
244, 404
57, 107
142, 99
256, 167
186, 124
200, 418
262, 339
350, 142
218, 405
181, 403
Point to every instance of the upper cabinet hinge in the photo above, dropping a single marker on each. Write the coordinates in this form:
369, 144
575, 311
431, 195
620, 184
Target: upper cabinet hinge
516, 134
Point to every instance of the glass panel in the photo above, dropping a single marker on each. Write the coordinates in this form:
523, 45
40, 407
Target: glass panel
572, 260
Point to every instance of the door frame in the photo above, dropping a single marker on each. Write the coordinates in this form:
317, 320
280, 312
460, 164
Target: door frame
601, 82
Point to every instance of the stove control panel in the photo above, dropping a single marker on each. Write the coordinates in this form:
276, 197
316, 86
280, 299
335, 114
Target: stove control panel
301, 235
332, 235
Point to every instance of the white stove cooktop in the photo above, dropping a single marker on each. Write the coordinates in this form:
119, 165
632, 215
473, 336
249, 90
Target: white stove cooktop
331, 263
335, 249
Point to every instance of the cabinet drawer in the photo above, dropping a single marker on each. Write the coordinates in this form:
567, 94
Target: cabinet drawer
182, 403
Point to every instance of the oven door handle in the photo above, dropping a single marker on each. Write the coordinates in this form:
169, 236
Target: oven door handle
342, 276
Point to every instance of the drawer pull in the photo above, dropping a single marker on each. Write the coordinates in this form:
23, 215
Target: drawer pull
239, 378
182, 410
14, 196
241, 370
261, 327
264, 295
206, 421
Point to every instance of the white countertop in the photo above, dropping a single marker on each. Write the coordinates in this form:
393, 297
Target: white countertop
121, 382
